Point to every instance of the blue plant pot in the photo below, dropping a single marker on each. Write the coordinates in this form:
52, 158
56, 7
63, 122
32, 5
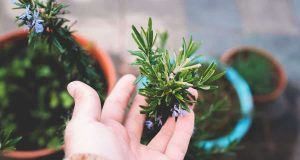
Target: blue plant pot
244, 123
246, 104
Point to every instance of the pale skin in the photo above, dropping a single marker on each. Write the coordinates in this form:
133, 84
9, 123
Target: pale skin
114, 132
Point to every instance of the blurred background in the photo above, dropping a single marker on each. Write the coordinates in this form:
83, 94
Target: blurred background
219, 25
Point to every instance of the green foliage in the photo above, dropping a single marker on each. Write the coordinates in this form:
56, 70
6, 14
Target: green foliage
6, 140
34, 74
163, 37
58, 36
40, 93
207, 126
215, 154
257, 70
168, 78
216, 113
206, 116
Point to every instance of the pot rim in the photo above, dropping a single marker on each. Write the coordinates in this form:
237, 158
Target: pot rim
282, 78
243, 124
104, 62
246, 104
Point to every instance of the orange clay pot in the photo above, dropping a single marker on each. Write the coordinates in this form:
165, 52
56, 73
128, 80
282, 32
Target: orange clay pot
105, 64
282, 79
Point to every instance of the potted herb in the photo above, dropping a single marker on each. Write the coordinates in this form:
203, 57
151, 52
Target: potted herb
213, 127
164, 81
35, 66
223, 117
265, 76
164, 78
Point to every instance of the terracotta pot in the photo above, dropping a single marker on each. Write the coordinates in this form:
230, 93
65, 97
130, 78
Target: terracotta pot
105, 64
282, 79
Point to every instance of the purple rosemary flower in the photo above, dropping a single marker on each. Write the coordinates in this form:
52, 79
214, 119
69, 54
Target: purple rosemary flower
39, 28
27, 14
36, 14
159, 119
149, 124
175, 114
177, 111
182, 112
37, 22
32, 20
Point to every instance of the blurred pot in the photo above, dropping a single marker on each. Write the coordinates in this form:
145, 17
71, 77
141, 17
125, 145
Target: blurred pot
229, 55
246, 108
105, 64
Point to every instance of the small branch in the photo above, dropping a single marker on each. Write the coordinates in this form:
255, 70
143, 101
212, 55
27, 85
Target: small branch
190, 67
184, 83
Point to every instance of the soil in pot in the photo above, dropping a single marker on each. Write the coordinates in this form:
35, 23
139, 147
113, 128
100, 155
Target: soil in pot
33, 97
257, 70
217, 111
216, 114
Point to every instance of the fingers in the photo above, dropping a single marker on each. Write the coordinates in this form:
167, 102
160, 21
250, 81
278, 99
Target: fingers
87, 102
194, 93
135, 121
161, 140
135, 124
179, 142
116, 103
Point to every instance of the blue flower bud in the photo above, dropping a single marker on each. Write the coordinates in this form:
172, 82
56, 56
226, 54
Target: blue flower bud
28, 12
149, 124
37, 23
39, 28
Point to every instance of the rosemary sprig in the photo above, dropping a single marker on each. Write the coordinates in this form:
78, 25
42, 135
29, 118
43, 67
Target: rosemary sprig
168, 77
6, 141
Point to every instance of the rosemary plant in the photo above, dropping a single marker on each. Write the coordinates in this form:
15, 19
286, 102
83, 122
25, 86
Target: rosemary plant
228, 153
257, 70
38, 68
216, 115
166, 78
45, 22
6, 141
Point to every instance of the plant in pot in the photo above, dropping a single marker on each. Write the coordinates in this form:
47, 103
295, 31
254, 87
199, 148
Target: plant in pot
35, 66
265, 76
220, 122
223, 117
165, 78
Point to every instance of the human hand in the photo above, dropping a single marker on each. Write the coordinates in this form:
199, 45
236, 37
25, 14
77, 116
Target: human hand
114, 134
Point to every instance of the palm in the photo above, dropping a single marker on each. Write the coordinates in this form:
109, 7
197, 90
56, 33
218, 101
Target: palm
115, 134
136, 150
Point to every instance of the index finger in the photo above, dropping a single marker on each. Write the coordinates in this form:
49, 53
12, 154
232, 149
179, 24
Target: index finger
183, 132
87, 102
116, 103
179, 142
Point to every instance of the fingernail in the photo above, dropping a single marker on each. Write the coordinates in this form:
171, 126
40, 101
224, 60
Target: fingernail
71, 88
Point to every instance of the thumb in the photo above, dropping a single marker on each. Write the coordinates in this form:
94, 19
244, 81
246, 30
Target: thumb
193, 96
87, 102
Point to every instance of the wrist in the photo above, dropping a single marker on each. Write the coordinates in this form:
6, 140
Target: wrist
86, 157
